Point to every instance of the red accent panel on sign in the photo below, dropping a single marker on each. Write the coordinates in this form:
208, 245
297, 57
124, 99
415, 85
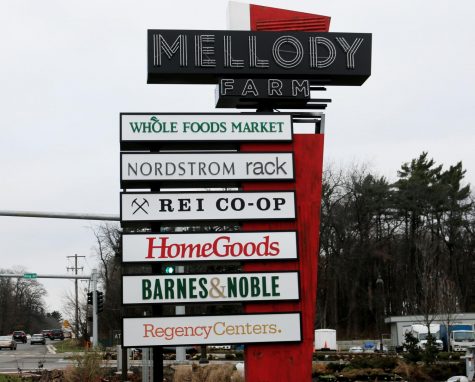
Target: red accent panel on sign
275, 19
291, 362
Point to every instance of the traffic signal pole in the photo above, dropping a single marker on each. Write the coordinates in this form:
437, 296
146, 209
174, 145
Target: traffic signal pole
94, 308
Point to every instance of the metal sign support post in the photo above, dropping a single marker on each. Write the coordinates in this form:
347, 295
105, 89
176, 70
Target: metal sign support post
180, 311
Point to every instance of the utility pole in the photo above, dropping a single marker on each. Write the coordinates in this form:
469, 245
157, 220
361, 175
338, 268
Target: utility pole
75, 269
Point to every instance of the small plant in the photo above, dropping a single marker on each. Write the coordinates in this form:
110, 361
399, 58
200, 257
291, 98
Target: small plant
87, 369
411, 344
429, 355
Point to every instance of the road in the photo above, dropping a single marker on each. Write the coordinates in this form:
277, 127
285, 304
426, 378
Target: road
32, 357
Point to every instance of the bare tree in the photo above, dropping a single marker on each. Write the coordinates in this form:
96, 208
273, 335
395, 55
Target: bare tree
69, 309
427, 300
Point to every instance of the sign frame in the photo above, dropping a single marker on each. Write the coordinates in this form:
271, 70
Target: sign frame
218, 301
215, 219
140, 144
300, 328
190, 182
215, 260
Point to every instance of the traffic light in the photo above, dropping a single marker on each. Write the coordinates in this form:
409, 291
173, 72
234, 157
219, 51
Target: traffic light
168, 269
100, 301
89, 298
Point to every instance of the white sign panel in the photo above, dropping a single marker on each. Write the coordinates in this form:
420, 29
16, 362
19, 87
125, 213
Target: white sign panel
222, 246
206, 166
149, 127
207, 330
175, 206
210, 288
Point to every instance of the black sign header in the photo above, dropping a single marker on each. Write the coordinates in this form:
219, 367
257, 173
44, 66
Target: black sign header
205, 56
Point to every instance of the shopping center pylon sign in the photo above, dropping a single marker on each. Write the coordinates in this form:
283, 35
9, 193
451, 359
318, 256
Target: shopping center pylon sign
276, 167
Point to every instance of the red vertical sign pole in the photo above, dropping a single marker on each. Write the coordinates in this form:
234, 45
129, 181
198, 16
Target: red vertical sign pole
291, 362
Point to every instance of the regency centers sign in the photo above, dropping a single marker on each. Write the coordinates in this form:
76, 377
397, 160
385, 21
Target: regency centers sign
205, 330
222, 246
206, 56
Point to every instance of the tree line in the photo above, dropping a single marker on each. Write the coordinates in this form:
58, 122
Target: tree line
386, 249
22, 306
394, 248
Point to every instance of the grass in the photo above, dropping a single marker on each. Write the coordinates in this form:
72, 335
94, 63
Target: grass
69, 345
9, 378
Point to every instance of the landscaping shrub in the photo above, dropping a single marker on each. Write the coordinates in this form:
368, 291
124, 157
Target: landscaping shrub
208, 373
385, 363
360, 363
87, 369
441, 372
412, 372
413, 353
429, 355
335, 367
443, 356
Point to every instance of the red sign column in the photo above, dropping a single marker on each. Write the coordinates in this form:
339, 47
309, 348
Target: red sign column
291, 362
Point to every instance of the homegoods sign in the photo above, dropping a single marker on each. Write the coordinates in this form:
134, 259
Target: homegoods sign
203, 330
157, 127
232, 287
222, 246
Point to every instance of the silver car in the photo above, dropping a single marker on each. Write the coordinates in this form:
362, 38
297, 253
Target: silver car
7, 342
38, 339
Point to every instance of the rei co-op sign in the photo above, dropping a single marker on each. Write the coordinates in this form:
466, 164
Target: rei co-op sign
212, 166
229, 329
209, 288
222, 246
207, 56
204, 206
136, 128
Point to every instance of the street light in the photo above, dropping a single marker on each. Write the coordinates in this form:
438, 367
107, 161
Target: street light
380, 290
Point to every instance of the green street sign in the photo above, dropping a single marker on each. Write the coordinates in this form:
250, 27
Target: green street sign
30, 275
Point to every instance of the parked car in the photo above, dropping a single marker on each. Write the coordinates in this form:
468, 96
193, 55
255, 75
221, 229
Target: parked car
7, 342
356, 349
57, 334
46, 333
20, 336
38, 339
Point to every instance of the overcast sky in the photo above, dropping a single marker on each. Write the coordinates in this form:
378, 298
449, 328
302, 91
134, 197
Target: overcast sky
68, 68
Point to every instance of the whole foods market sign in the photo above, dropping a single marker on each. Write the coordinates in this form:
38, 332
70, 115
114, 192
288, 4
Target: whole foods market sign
206, 330
206, 56
156, 127
188, 206
223, 246
143, 168
233, 287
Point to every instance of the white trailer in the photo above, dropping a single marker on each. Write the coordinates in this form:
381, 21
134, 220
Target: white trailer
325, 339
422, 331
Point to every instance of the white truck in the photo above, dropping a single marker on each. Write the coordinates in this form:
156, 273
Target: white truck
421, 332
325, 339
461, 340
